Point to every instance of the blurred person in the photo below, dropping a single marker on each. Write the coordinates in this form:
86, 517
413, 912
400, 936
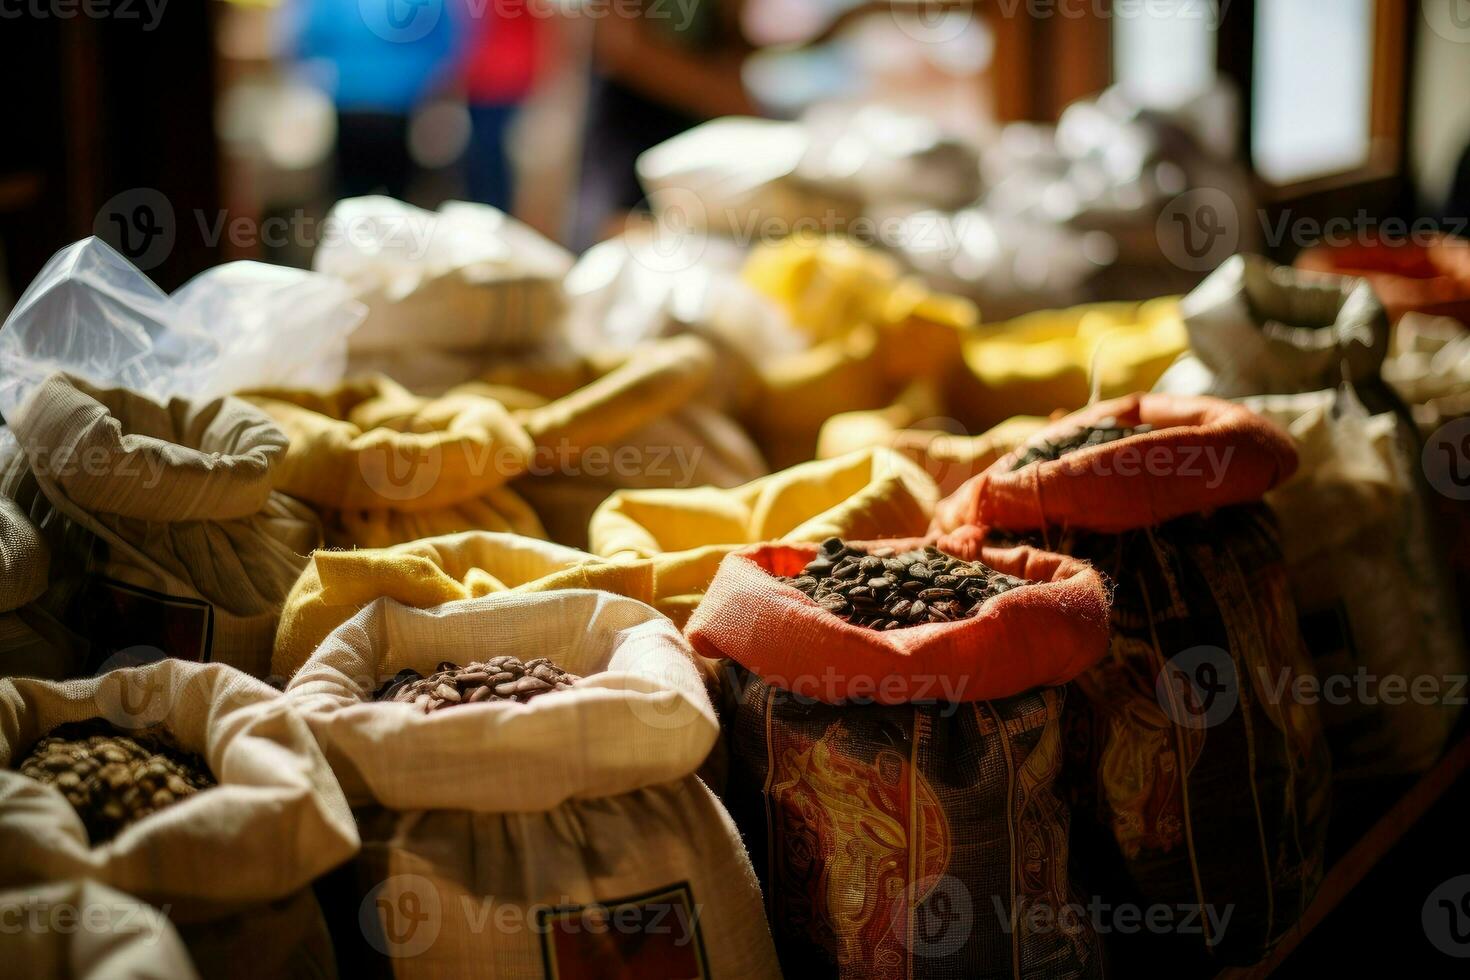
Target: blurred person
500, 68
654, 75
377, 60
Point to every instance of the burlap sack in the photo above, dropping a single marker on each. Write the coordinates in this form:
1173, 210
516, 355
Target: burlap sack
875, 332
543, 816
1258, 329
1213, 799
949, 457
433, 571
87, 931
25, 562
912, 829
728, 174
384, 466
1036, 364
446, 292
1432, 278
643, 418
225, 861
1373, 600
163, 527
687, 532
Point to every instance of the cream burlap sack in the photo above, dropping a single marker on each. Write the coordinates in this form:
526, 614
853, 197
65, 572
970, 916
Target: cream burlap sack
163, 526
222, 861
25, 562
433, 571
446, 292
1373, 605
86, 931
549, 817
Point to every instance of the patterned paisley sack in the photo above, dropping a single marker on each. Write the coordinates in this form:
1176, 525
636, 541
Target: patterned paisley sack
897, 789
1190, 754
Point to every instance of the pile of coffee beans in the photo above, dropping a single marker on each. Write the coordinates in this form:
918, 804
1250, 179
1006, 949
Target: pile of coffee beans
883, 590
497, 679
1099, 433
114, 779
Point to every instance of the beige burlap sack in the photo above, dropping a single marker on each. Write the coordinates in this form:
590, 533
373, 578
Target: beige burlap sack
551, 817
1373, 604
83, 930
162, 520
27, 635
220, 861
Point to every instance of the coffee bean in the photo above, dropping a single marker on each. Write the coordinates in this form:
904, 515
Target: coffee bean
898, 590
499, 678
113, 779
1099, 433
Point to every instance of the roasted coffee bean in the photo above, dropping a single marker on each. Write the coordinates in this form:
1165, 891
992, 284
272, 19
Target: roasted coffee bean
502, 678
894, 591
113, 779
1099, 433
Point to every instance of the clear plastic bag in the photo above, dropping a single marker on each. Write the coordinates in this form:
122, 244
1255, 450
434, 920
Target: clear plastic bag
241, 325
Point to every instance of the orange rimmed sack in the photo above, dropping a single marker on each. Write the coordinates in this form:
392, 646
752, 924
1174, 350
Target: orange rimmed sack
1214, 453
1199, 778
1409, 276
877, 824
383, 466
1038, 636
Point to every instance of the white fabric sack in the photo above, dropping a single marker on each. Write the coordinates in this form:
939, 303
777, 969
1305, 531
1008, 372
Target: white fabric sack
1369, 592
583, 797
444, 290
741, 177
275, 822
89, 312
83, 930
173, 537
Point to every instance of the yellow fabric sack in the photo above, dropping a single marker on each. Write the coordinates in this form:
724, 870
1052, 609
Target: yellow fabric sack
632, 419
870, 494
336, 585
384, 466
950, 458
1041, 362
875, 332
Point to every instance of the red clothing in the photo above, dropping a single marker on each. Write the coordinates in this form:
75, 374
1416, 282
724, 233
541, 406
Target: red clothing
501, 63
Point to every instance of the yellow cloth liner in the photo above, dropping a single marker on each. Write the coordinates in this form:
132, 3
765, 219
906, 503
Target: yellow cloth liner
1042, 362
874, 332
433, 571
870, 494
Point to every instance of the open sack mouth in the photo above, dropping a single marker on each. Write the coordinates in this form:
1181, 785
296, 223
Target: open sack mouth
497, 679
886, 589
1100, 433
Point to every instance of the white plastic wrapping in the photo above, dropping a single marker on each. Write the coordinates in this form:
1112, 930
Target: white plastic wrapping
91, 313
449, 287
